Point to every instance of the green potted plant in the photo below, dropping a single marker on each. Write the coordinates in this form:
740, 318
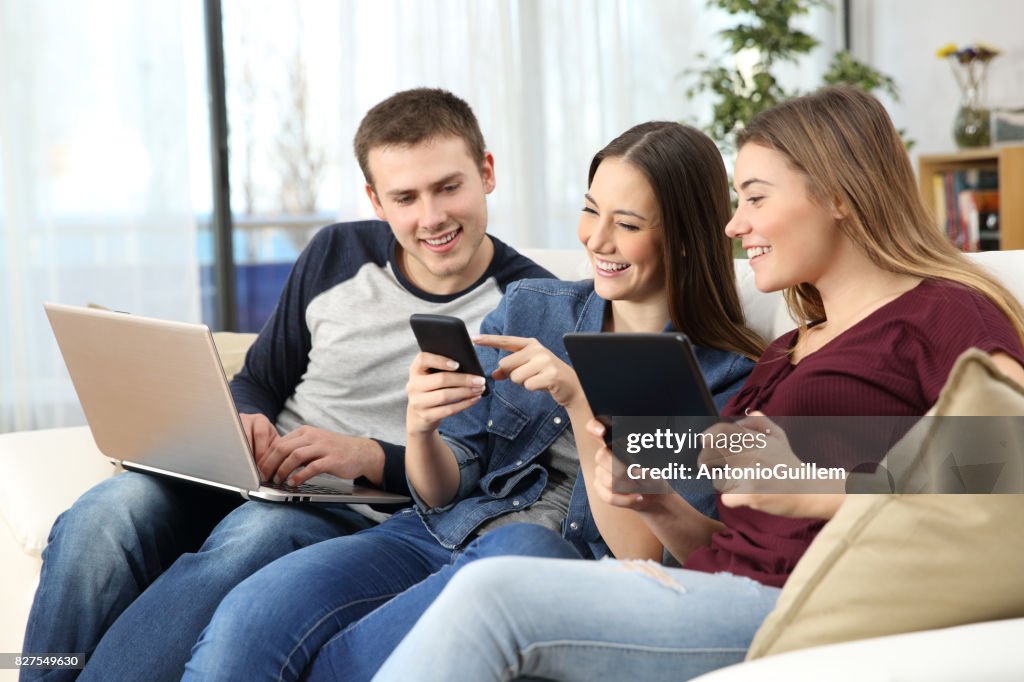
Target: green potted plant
765, 28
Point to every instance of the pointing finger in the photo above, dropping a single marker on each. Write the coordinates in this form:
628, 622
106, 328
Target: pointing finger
509, 343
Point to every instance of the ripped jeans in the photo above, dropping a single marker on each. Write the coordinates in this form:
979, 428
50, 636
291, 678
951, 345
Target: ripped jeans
512, 617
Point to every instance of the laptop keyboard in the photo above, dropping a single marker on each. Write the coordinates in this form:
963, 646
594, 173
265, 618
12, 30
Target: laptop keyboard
304, 489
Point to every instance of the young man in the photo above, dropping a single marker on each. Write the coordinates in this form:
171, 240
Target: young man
135, 569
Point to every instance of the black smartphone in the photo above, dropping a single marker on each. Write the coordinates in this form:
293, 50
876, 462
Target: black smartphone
446, 335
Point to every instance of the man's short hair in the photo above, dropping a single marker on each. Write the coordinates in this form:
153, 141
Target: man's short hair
413, 116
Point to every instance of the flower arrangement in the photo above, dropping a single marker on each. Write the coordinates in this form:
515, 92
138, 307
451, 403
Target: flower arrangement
969, 63
970, 67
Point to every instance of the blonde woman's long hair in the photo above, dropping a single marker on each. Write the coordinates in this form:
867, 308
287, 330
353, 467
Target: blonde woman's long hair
843, 140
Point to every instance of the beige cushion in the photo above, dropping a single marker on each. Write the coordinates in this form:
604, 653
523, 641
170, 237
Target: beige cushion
232, 347
889, 564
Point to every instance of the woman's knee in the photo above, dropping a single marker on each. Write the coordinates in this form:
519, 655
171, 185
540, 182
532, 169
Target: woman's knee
262, 611
257, 533
490, 583
256, 526
227, 633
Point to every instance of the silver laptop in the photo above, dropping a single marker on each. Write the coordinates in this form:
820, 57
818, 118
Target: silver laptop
156, 399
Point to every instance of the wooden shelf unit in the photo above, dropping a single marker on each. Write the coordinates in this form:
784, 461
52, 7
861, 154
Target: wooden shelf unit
1007, 161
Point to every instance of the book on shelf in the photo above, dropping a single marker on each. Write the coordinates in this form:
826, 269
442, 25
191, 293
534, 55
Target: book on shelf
967, 208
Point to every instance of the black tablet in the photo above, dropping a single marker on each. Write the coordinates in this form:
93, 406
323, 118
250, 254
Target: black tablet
641, 375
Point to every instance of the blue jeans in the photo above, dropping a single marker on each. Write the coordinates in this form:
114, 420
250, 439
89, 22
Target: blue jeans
506, 618
343, 605
135, 569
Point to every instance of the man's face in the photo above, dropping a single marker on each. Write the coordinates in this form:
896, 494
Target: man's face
433, 194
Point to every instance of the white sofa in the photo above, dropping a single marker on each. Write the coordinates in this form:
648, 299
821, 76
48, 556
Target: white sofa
47, 470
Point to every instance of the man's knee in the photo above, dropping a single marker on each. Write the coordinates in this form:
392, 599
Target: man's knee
259, 528
255, 599
114, 511
226, 634
522, 539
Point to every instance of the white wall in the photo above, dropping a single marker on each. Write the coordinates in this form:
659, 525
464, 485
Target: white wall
900, 38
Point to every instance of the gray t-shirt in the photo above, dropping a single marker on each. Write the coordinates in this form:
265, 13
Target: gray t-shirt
335, 354
562, 462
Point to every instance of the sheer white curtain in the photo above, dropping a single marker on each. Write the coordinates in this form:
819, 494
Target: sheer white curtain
95, 200
552, 81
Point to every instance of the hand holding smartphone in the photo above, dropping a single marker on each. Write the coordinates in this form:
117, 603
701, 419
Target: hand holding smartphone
447, 336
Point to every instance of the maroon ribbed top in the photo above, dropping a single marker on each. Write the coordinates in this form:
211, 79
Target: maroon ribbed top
894, 362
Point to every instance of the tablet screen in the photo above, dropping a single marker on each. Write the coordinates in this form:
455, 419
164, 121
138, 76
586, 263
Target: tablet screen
640, 375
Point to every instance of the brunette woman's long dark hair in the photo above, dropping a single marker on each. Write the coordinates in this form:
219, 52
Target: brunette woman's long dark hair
686, 172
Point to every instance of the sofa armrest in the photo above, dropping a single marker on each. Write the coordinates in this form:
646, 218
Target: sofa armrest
980, 651
46, 471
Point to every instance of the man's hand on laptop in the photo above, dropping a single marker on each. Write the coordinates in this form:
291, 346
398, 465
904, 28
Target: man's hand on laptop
321, 452
260, 432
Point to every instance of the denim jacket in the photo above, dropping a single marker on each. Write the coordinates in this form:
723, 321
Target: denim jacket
498, 440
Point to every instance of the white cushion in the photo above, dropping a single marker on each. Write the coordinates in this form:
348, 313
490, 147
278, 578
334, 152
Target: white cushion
981, 651
1006, 266
46, 471
766, 313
